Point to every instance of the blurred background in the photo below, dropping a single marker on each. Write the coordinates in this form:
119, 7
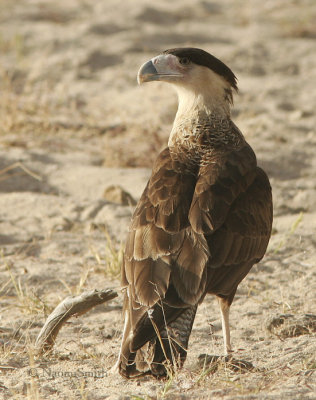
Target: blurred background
68, 70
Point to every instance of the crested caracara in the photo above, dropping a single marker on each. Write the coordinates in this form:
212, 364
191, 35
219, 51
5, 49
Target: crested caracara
203, 220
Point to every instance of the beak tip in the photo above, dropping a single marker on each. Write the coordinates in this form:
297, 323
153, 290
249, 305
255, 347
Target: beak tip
139, 79
146, 73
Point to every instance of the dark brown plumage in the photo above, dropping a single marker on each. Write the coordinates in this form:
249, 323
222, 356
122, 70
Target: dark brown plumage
202, 222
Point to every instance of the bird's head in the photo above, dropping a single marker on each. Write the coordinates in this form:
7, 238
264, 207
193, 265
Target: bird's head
198, 77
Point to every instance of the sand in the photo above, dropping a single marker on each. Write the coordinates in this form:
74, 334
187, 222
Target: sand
74, 124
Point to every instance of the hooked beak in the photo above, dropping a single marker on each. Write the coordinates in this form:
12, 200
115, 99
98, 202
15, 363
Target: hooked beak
147, 73
160, 68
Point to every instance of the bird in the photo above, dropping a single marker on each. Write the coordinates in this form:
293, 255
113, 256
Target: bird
203, 220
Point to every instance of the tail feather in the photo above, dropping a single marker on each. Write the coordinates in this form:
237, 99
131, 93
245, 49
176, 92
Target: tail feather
160, 338
172, 345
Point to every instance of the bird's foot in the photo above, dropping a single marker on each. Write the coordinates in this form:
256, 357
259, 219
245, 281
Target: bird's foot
212, 362
239, 365
159, 371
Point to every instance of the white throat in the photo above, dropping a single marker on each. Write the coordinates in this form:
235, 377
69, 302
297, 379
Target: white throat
206, 98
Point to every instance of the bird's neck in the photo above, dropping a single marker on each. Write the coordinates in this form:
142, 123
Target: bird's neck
199, 115
213, 100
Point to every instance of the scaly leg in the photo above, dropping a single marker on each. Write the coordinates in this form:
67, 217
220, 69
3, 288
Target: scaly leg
224, 306
225, 303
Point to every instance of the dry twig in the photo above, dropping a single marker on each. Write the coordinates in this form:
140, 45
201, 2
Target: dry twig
69, 306
18, 164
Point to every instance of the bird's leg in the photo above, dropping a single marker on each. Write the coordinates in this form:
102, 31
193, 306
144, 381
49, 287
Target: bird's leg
235, 365
225, 306
212, 360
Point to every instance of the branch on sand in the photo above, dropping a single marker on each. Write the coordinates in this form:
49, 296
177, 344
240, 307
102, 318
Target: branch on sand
72, 305
21, 166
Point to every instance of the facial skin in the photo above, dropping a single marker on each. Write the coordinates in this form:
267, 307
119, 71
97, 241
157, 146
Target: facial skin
165, 67
198, 87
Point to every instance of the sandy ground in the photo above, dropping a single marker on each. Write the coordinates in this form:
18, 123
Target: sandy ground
74, 123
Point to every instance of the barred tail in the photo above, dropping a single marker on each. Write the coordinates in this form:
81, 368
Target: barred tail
153, 347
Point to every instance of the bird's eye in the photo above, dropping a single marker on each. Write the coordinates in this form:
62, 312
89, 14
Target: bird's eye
184, 61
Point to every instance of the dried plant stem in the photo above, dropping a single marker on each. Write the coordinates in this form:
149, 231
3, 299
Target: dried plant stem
23, 167
69, 306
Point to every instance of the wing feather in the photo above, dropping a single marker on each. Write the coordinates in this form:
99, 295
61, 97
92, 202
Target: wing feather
222, 178
151, 280
158, 233
245, 234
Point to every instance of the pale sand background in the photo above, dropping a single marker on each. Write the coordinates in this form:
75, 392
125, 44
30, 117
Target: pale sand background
71, 111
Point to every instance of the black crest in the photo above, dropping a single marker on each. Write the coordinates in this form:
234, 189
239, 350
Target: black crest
201, 57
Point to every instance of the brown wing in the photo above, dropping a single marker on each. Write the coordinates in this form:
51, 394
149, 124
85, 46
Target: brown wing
245, 234
232, 207
222, 178
160, 240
